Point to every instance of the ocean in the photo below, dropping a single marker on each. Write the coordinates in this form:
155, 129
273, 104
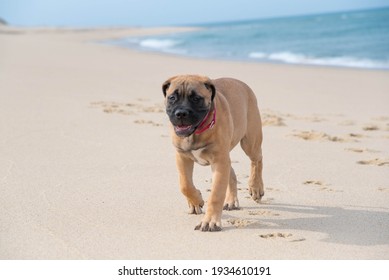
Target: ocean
358, 39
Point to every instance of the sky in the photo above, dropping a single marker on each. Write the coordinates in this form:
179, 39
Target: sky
90, 13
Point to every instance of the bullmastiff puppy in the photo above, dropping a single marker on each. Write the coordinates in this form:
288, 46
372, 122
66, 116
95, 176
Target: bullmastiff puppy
208, 119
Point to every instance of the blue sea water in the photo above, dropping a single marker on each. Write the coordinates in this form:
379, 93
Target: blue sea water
358, 39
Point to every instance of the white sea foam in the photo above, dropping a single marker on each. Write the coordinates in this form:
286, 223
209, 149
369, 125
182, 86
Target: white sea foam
344, 61
288, 57
158, 44
257, 55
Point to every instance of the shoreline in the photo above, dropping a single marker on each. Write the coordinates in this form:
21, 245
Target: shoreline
238, 60
268, 63
88, 172
106, 34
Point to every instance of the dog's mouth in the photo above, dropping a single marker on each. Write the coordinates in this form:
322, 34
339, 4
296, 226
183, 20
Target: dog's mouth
184, 130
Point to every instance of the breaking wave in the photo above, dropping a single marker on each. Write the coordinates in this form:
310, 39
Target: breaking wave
343, 61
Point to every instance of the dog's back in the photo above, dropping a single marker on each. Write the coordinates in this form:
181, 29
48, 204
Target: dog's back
243, 105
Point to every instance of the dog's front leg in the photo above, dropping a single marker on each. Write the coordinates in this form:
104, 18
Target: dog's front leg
221, 174
193, 195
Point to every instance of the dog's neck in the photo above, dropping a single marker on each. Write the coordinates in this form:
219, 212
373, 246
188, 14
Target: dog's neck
202, 127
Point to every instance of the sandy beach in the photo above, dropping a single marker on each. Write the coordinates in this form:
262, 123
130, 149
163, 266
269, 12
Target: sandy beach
87, 169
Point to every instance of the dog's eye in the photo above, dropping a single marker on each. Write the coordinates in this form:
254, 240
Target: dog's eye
195, 98
172, 98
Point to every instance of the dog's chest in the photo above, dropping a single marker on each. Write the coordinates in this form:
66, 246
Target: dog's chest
199, 156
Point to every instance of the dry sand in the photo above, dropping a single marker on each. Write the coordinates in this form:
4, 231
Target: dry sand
87, 168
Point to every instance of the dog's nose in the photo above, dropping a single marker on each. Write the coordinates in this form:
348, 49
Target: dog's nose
181, 113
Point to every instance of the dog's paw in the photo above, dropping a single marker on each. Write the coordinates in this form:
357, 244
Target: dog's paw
195, 209
231, 203
256, 194
205, 226
196, 204
210, 223
231, 206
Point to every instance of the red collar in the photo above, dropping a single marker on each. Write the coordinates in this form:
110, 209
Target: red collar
200, 129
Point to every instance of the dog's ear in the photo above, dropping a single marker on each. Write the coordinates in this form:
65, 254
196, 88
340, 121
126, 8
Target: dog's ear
211, 87
165, 87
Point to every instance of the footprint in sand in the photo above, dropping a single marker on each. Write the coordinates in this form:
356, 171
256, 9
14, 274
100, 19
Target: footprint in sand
347, 123
376, 162
356, 135
274, 235
127, 108
147, 122
280, 235
154, 109
270, 119
382, 125
319, 136
114, 107
240, 223
263, 213
313, 118
313, 182
320, 185
361, 150
370, 127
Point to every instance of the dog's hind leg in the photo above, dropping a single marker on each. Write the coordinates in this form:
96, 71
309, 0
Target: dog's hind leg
231, 201
251, 145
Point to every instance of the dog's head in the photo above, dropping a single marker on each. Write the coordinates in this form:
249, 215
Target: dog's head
188, 99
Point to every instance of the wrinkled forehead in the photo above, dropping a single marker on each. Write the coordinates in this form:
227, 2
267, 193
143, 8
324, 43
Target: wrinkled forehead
185, 85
